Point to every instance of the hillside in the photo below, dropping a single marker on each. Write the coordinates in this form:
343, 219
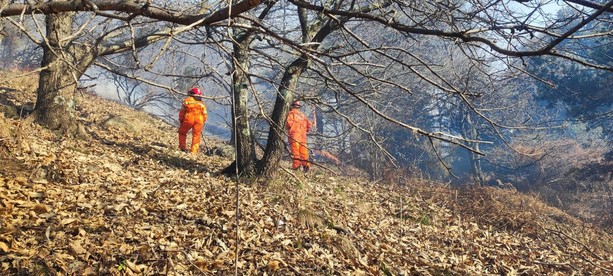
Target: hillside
123, 201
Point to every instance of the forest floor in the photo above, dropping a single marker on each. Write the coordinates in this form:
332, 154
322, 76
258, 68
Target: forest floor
123, 201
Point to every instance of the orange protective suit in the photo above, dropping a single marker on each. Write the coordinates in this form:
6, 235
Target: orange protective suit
192, 116
297, 126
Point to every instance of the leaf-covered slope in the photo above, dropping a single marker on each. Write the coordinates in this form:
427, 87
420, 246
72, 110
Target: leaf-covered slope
124, 201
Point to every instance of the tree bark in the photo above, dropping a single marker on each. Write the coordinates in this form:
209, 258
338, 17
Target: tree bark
245, 163
274, 148
470, 130
245, 147
63, 65
129, 7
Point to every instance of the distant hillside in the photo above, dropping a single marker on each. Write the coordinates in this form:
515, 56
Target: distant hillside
123, 201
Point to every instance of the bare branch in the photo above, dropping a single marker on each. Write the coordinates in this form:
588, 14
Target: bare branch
131, 7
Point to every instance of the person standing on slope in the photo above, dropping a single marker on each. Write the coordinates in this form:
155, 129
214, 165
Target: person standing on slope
192, 116
297, 125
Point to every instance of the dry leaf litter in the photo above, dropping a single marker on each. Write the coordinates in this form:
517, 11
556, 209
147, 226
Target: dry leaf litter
123, 201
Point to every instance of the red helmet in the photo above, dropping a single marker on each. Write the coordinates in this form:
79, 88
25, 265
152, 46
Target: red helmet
297, 103
195, 91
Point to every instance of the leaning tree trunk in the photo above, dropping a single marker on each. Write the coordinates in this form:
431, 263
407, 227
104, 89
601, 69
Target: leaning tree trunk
275, 144
63, 64
274, 148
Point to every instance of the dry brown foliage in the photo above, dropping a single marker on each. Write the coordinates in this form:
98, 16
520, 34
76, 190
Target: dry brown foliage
572, 175
125, 202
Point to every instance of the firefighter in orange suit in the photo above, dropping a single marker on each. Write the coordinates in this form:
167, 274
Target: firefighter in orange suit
297, 126
192, 116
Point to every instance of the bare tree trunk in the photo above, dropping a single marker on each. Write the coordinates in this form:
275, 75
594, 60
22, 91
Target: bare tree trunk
275, 143
63, 65
245, 146
274, 148
475, 159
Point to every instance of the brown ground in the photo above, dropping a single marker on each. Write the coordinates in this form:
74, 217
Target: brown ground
124, 201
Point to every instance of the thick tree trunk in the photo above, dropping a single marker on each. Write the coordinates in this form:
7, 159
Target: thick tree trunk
62, 66
244, 164
275, 147
276, 144
245, 146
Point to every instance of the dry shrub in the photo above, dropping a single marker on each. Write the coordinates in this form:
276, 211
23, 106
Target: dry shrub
394, 175
309, 219
17, 93
5, 137
5, 130
507, 210
539, 163
347, 247
571, 174
585, 189
23, 81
